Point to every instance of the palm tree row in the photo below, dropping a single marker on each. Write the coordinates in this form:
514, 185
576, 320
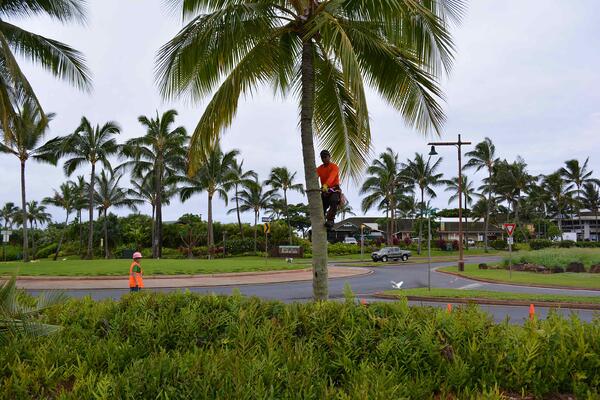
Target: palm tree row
508, 191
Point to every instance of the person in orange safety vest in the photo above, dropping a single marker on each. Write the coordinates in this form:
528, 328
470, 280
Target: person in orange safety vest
135, 273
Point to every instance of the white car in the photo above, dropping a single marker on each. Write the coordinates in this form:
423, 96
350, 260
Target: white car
350, 240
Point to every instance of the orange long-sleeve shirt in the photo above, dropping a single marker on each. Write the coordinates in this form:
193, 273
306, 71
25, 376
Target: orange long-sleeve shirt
329, 174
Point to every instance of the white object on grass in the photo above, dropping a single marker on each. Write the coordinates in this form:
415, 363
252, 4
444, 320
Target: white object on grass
397, 285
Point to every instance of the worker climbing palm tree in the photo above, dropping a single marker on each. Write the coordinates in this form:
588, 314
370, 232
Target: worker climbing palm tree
331, 193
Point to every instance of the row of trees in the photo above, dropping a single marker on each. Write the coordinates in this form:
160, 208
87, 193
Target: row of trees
508, 191
157, 162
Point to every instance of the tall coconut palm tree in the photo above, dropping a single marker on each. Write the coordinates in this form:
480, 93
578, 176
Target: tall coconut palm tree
468, 195
109, 194
160, 152
238, 178
213, 178
578, 175
484, 157
65, 198
382, 185
590, 199
90, 145
422, 175
254, 198
81, 203
28, 129
323, 52
58, 58
282, 179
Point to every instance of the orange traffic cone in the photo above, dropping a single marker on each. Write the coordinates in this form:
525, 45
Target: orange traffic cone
531, 312
449, 307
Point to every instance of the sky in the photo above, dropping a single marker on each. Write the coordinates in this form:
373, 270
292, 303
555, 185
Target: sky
525, 75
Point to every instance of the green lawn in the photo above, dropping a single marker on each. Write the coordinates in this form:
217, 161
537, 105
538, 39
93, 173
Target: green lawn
580, 280
486, 294
151, 267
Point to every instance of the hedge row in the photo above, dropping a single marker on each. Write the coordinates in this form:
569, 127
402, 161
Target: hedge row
184, 345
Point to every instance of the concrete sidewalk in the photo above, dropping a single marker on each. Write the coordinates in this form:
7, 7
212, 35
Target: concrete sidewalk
181, 281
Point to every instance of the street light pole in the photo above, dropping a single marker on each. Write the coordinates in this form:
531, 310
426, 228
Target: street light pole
459, 144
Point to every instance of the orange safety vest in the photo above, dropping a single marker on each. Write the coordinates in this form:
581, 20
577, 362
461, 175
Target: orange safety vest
135, 278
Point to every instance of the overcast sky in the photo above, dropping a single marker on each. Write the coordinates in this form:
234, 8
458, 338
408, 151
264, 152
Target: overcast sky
526, 75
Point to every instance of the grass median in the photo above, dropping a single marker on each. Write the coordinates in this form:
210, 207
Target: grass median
115, 267
490, 295
567, 279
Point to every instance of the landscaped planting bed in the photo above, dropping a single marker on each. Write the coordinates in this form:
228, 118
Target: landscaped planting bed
557, 257
184, 345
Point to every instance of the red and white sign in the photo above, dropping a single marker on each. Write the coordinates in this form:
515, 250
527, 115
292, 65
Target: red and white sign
510, 228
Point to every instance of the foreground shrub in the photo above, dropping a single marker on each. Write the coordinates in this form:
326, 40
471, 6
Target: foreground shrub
190, 346
566, 244
46, 251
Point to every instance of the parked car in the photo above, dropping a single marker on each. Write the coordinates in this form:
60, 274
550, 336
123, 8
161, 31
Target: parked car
350, 240
390, 253
471, 242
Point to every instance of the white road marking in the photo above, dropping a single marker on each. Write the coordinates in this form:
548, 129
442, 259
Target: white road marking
471, 286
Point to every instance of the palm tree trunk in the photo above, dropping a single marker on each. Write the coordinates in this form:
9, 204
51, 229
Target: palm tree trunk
105, 228
487, 212
62, 236
315, 203
210, 226
158, 219
24, 211
237, 210
153, 227
597, 230
90, 254
255, 229
421, 220
79, 216
466, 223
287, 215
33, 244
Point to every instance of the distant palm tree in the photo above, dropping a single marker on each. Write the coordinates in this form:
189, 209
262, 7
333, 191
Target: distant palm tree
214, 178
58, 58
81, 203
254, 198
65, 198
422, 175
345, 209
91, 145
282, 179
161, 152
408, 206
28, 129
484, 156
590, 199
36, 215
109, 194
238, 178
321, 52
7, 215
578, 175
560, 193
144, 189
468, 194
382, 186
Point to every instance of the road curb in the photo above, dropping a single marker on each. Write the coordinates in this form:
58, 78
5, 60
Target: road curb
514, 283
473, 300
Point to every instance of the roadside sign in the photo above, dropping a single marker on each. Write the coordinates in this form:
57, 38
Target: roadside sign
266, 219
510, 228
509, 240
6, 236
267, 227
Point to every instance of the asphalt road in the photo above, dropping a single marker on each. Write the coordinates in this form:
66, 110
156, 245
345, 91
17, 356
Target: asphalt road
365, 286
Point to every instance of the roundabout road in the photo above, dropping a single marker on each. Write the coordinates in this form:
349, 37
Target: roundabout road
414, 275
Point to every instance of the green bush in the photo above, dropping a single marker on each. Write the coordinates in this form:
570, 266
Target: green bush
342, 249
558, 257
184, 345
587, 244
11, 253
538, 244
499, 244
566, 244
46, 251
239, 246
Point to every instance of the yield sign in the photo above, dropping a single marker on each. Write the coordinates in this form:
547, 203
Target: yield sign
510, 228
